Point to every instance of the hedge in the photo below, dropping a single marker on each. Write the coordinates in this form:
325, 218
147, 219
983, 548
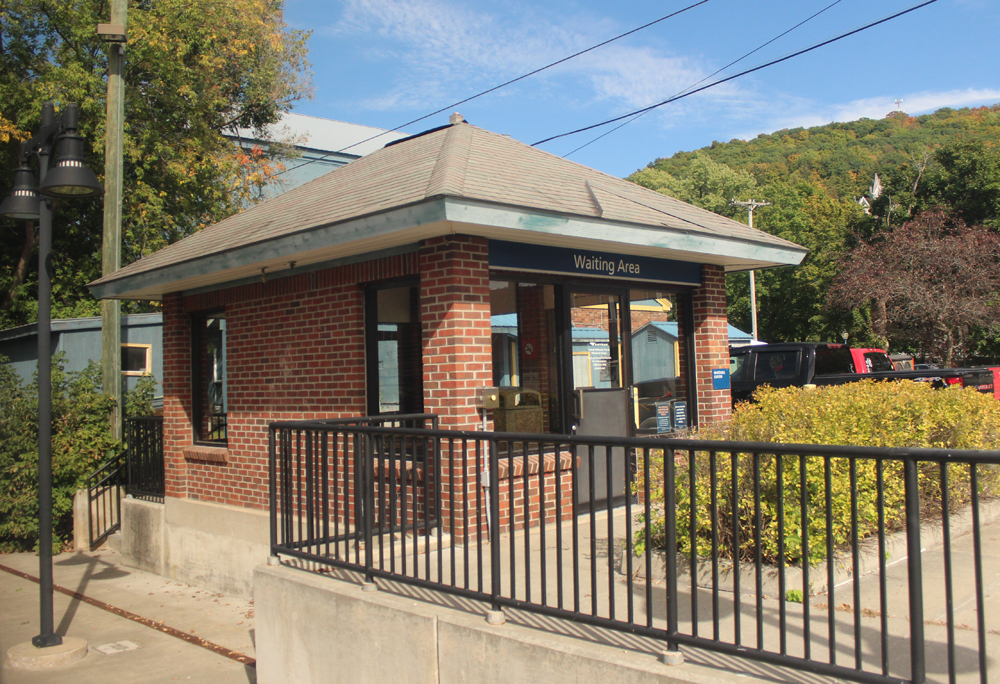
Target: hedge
879, 414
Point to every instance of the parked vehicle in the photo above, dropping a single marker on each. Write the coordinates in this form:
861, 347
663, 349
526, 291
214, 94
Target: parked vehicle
870, 360
795, 364
902, 361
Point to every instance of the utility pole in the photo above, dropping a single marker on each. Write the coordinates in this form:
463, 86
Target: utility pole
751, 205
111, 332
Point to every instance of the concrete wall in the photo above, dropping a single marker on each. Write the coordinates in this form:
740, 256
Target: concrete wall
142, 535
205, 544
317, 629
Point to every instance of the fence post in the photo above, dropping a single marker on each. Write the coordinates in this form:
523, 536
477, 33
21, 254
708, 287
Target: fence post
918, 673
368, 505
494, 485
670, 526
272, 488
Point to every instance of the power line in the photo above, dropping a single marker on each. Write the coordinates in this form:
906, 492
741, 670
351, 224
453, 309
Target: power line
503, 85
717, 72
742, 73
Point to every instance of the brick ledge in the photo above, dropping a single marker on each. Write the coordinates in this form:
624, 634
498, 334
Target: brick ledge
206, 454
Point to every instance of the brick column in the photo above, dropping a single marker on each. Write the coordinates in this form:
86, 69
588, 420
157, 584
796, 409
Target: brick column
455, 320
711, 344
176, 384
457, 357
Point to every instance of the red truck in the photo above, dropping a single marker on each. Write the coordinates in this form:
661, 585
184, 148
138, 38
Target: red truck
868, 360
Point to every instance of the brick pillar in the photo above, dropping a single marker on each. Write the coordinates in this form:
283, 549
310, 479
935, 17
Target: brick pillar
176, 384
455, 320
711, 344
457, 356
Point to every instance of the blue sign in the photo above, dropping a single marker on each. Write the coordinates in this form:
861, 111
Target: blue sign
662, 416
586, 262
680, 415
720, 378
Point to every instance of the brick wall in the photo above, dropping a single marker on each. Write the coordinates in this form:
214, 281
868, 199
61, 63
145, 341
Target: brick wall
711, 335
295, 350
455, 318
549, 492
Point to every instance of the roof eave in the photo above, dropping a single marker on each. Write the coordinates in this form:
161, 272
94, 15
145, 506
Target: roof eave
394, 229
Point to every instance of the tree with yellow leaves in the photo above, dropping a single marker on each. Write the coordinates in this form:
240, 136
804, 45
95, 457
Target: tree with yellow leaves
195, 71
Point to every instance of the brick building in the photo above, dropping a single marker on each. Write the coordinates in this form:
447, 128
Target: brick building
404, 282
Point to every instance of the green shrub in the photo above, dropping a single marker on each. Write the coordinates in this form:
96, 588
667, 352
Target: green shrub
860, 414
81, 440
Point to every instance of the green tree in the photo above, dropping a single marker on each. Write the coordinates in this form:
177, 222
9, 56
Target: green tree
791, 301
967, 180
703, 182
194, 71
81, 438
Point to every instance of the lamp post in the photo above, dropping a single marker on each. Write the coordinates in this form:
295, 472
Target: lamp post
70, 177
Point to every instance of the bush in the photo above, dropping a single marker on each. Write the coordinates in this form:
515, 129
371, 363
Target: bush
861, 414
81, 440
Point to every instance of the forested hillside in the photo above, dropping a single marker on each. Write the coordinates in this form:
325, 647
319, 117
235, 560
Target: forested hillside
814, 178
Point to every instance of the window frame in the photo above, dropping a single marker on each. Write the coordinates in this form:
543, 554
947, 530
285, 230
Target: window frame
149, 359
198, 321
371, 290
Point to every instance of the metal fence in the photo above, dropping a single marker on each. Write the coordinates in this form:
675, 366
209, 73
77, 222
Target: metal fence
104, 499
802, 556
144, 448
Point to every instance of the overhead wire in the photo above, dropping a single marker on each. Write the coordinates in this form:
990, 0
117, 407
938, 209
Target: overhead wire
740, 74
503, 85
712, 75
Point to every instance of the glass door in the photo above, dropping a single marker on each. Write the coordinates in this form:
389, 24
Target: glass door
600, 385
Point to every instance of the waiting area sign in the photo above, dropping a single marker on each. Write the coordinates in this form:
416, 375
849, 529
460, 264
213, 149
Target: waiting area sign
586, 262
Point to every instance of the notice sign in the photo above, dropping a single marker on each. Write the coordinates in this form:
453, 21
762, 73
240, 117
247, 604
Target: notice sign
662, 417
720, 378
680, 415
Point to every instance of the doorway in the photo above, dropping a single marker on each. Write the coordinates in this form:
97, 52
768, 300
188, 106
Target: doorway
594, 359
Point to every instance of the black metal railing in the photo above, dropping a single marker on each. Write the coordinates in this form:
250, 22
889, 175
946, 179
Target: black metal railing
104, 499
803, 556
144, 448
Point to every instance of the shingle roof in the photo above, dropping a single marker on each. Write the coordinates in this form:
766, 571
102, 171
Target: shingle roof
460, 162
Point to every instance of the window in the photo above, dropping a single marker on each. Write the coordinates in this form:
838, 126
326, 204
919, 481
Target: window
208, 378
137, 359
777, 365
393, 349
878, 362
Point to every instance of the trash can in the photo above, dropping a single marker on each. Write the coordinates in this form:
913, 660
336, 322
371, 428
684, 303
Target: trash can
520, 411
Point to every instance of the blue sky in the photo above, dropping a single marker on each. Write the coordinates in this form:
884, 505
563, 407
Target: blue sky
385, 62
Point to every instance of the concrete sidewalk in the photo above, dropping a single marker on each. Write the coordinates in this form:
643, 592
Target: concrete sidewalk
187, 634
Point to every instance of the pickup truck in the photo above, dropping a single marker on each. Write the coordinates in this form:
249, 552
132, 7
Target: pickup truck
870, 360
795, 364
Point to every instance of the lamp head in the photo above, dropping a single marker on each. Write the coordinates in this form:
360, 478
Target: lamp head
22, 203
71, 177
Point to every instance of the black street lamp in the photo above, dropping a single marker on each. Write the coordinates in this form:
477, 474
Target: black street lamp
69, 178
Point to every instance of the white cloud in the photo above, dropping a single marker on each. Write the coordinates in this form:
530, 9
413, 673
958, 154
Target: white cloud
806, 114
444, 50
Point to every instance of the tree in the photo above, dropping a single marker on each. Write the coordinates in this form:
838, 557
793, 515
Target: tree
968, 180
792, 300
704, 183
936, 279
194, 71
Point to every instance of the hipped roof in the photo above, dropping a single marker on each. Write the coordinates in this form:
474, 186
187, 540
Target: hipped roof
458, 179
